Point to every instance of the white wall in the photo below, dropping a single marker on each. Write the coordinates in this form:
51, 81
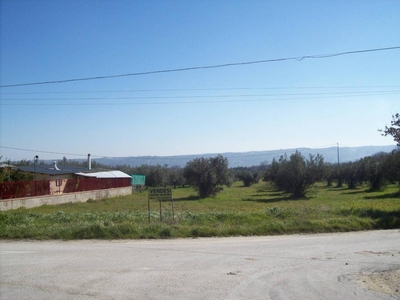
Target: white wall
64, 198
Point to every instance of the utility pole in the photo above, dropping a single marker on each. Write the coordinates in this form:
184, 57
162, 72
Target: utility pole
338, 153
35, 161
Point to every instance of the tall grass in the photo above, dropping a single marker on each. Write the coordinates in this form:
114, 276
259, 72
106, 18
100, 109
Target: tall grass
255, 210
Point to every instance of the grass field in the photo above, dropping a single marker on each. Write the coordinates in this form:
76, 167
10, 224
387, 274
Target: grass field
238, 210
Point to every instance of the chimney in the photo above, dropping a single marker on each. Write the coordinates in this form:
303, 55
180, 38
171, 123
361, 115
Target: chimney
89, 162
55, 166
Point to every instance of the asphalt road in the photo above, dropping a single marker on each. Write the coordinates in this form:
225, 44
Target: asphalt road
321, 266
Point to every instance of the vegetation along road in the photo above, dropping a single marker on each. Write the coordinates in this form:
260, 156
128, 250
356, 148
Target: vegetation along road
235, 211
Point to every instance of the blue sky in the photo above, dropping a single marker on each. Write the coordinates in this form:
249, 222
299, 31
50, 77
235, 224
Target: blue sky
266, 106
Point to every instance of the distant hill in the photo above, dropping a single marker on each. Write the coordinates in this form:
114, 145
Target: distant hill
253, 158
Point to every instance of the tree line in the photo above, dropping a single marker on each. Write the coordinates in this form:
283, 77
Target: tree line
294, 175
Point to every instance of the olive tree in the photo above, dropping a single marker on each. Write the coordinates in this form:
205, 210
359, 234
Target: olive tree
296, 175
248, 178
394, 129
175, 177
10, 173
207, 175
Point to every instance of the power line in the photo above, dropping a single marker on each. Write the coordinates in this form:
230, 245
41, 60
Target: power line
300, 58
203, 96
48, 152
195, 102
203, 89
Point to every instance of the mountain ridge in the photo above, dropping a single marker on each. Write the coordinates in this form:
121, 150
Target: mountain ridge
251, 158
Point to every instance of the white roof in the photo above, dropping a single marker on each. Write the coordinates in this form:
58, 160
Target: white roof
105, 174
6, 166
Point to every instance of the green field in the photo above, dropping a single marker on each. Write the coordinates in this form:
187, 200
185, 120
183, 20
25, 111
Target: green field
237, 210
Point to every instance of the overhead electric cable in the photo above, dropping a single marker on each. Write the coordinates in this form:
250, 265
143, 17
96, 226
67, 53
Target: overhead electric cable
205, 96
193, 102
203, 89
49, 152
299, 58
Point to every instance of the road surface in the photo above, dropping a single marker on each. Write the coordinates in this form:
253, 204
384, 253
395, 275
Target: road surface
356, 265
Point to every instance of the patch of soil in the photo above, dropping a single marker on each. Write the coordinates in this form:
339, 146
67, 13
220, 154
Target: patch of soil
387, 282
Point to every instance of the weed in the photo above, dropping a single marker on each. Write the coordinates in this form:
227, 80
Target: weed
254, 210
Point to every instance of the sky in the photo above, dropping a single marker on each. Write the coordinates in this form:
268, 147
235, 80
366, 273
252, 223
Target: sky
314, 102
